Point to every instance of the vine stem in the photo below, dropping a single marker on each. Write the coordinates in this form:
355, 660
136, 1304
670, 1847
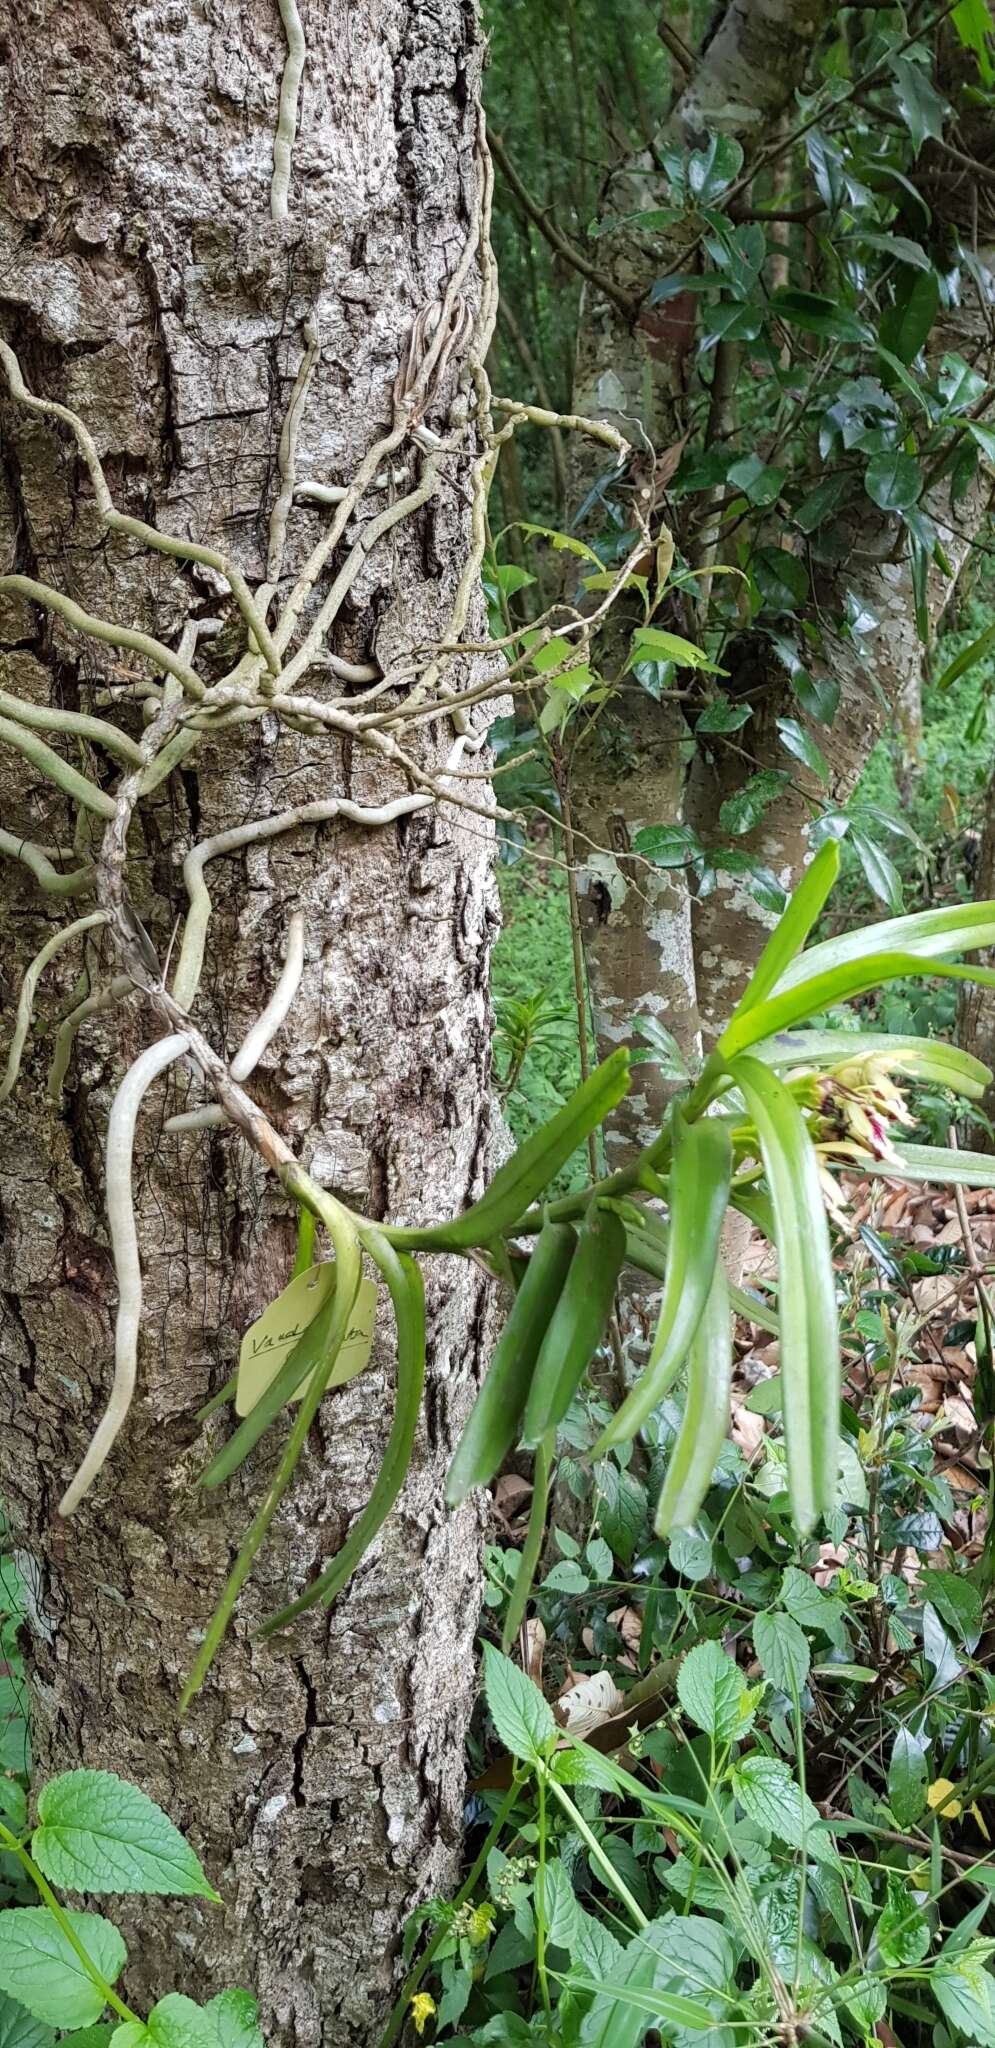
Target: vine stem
65, 1925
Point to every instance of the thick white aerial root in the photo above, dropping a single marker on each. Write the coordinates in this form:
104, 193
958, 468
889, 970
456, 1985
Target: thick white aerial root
25, 1001
265, 1028
124, 1245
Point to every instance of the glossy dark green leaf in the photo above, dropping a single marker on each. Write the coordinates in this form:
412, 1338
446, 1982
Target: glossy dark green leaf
893, 480
745, 808
801, 744
908, 321
815, 314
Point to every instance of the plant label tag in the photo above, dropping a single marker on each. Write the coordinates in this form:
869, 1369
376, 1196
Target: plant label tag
267, 1344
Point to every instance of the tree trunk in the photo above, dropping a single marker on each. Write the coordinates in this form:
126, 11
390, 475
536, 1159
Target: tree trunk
976, 1015
144, 283
636, 372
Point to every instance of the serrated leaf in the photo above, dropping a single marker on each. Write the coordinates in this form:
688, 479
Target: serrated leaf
712, 1692
561, 1907
522, 1718
98, 1833
768, 1794
902, 1931
782, 1650
40, 1968
20, 2029
965, 1992
176, 2022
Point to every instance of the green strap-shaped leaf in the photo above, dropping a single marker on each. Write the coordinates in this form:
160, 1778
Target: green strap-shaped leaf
928, 934
529, 1171
699, 1194
648, 1253
706, 1414
810, 1360
407, 1293
835, 985
930, 1166
923, 1059
792, 928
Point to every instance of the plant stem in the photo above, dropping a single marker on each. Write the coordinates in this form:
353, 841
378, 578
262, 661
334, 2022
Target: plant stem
65, 1925
594, 1849
418, 1969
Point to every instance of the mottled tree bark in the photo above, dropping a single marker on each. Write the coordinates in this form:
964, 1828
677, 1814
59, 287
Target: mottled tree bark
143, 282
635, 372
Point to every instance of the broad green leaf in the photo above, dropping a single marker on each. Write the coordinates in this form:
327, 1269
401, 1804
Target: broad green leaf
966, 659
522, 1718
40, 1968
919, 103
91, 2037
723, 716
20, 2029
961, 386
97, 1833
781, 578
657, 645
768, 1794
759, 481
782, 1650
674, 1972
907, 323
879, 869
668, 846
789, 935
929, 934
710, 169
907, 1778
176, 2022
800, 743
893, 480
746, 806
957, 1602
822, 502
813, 1608
561, 1906
923, 1059
816, 315
810, 1365
712, 1691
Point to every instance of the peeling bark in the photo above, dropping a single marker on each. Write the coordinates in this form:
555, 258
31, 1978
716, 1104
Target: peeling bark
143, 282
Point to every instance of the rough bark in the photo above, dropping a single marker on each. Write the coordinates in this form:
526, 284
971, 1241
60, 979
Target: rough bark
634, 373
143, 282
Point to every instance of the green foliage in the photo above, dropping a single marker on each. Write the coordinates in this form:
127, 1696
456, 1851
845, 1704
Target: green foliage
58, 1966
806, 1847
